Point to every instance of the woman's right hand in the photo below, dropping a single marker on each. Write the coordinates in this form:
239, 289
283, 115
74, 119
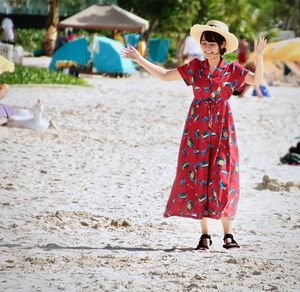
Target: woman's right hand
131, 53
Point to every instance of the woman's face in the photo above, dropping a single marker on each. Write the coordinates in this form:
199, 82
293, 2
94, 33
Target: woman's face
209, 49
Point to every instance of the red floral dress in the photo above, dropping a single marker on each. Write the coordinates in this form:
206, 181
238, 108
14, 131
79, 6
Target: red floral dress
207, 177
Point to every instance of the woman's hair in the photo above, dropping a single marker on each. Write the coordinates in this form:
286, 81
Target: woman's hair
215, 37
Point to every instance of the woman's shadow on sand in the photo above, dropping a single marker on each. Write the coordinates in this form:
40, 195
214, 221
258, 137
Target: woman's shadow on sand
54, 246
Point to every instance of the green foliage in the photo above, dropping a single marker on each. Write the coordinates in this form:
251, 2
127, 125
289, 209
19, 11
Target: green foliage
231, 57
72, 6
164, 16
272, 35
31, 75
247, 17
30, 39
287, 13
91, 33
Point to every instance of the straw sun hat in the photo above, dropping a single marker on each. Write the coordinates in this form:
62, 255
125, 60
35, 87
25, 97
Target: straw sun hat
219, 27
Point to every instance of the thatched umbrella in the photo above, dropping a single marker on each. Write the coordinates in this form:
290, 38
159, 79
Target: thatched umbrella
105, 16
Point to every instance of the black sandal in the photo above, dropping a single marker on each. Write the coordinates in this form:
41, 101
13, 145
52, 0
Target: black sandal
201, 245
232, 244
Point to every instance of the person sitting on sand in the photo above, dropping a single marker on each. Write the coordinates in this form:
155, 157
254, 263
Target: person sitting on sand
261, 90
207, 178
3, 90
5, 66
5, 110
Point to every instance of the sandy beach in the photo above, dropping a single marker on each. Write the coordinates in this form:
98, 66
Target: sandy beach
82, 205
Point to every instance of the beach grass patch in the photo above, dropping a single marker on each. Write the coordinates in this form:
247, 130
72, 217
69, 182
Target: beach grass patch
33, 75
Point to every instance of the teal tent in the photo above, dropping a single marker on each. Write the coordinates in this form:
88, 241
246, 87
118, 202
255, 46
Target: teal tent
76, 50
132, 39
107, 58
158, 50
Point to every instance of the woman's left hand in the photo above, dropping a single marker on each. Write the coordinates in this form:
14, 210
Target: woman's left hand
260, 46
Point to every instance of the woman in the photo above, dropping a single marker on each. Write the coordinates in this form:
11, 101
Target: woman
207, 179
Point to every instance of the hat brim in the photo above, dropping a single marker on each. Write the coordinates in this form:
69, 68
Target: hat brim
231, 40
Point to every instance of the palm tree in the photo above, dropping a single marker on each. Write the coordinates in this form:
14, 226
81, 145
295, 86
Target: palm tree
51, 33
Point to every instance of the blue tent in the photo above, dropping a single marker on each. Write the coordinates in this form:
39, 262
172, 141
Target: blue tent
158, 50
76, 50
107, 58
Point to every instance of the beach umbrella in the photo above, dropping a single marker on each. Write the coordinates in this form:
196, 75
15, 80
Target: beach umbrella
267, 51
281, 50
269, 48
294, 54
106, 16
6, 111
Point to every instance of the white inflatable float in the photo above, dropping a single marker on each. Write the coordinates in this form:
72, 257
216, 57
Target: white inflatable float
36, 120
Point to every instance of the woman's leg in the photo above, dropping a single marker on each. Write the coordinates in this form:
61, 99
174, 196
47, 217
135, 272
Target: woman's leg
205, 240
227, 227
204, 230
204, 225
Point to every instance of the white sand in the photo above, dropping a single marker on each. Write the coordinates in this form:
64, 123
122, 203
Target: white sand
81, 207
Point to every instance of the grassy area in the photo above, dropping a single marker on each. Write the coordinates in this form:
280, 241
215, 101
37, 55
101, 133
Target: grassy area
30, 39
31, 75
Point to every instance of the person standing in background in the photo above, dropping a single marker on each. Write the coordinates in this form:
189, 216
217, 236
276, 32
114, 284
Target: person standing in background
117, 35
243, 50
191, 49
70, 35
8, 31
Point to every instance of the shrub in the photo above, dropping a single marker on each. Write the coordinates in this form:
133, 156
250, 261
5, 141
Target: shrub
32, 75
230, 57
30, 39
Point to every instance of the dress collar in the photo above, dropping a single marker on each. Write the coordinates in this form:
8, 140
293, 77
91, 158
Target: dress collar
222, 64
219, 69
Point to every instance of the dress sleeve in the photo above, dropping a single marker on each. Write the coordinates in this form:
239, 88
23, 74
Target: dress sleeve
187, 72
238, 76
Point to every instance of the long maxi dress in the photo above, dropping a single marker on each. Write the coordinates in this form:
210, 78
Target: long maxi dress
207, 176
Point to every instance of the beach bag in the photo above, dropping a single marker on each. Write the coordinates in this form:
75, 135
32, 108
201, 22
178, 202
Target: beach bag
291, 158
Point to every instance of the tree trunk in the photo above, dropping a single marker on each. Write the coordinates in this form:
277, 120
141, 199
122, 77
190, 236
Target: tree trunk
51, 34
153, 26
179, 48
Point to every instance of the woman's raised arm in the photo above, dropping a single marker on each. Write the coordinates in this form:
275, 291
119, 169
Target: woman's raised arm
155, 70
257, 77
